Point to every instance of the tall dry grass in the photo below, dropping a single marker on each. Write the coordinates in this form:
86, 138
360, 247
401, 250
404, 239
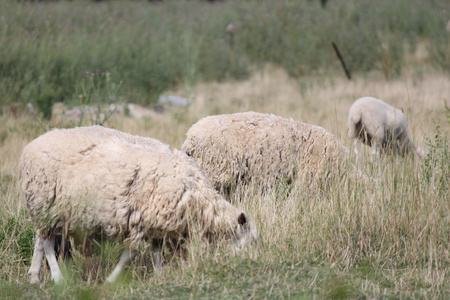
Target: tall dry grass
389, 239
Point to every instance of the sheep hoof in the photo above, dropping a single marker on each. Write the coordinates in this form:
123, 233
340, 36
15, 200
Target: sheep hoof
34, 279
57, 278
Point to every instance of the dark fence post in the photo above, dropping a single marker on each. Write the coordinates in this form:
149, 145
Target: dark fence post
341, 60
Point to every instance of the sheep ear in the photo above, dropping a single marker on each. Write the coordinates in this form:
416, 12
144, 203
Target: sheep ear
242, 219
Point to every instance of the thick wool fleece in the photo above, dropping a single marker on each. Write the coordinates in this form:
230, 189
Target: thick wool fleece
263, 149
94, 180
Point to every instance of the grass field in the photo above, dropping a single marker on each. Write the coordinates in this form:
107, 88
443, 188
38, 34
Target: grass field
47, 46
351, 241
389, 240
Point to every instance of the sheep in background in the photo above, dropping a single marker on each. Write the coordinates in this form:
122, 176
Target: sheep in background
91, 181
381, 126
263, 149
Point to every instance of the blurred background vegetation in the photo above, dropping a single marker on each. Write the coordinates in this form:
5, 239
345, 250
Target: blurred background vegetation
389, 240
151, 46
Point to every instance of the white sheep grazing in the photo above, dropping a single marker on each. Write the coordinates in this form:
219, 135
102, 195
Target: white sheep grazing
88, 181
381, 126
263, 149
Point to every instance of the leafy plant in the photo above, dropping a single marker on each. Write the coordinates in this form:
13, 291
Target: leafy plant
436, 167
48, 95
98, 96
13, 229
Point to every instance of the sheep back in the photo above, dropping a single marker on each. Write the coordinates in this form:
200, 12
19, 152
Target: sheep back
261, 148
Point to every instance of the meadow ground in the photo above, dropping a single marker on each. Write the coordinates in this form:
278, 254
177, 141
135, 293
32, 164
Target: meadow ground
353, 240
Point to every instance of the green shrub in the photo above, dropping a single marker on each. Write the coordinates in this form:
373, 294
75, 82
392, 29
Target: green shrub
47, 45
439, 48
46, 98
99, 94
22, 236
436, 167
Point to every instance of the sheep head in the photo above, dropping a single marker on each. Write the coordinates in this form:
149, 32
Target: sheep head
245, 232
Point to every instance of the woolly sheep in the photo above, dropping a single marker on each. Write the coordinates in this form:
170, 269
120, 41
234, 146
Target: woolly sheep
90, 181
262, 149
381, 126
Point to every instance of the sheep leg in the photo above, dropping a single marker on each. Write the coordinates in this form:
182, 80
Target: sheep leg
356, 146
49, 248
376, 149
125, 258
36, 261
157, 256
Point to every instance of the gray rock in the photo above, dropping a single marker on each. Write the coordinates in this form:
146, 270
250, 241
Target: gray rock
174, 100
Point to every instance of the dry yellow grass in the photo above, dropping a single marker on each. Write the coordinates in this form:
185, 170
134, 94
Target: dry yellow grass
388, 239
321, 101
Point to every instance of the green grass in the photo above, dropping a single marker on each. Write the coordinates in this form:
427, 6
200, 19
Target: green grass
47, 46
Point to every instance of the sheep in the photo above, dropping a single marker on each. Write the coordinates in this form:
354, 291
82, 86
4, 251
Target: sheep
94, 181
376, 123
263, 149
